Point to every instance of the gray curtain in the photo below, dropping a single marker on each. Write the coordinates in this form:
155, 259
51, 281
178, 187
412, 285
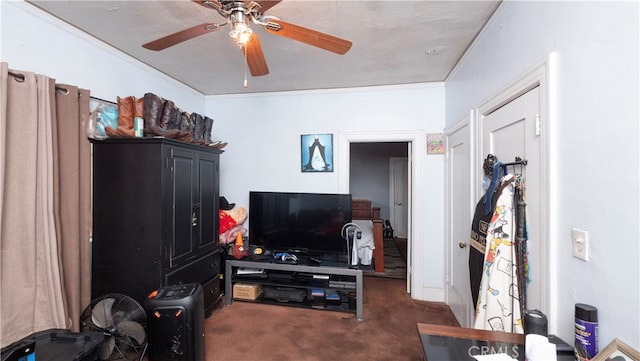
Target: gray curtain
45, 204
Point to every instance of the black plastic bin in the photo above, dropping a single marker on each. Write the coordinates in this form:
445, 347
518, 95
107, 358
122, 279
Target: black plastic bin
55, 345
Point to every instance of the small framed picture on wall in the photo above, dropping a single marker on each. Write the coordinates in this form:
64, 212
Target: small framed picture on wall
435, 143
316, 153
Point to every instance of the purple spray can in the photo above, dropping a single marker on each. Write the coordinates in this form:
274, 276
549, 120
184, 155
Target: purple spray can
586, 346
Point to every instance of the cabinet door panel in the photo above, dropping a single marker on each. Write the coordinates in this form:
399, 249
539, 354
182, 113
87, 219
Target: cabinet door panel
185, 212
208, 196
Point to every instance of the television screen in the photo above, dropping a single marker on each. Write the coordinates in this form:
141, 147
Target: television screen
299, 222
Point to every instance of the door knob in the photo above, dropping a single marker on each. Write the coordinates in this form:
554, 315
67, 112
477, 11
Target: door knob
462, 245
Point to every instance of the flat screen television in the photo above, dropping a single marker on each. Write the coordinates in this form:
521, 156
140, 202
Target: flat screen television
303, 223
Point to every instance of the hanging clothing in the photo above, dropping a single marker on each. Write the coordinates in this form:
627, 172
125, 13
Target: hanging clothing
521, 234
478, 241
498, 307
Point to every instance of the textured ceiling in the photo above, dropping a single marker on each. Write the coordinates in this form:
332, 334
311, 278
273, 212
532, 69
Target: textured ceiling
394, 42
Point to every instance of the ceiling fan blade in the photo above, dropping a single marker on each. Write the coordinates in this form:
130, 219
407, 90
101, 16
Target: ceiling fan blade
180, 36
210, 4
308, 36
255, 58
266, 5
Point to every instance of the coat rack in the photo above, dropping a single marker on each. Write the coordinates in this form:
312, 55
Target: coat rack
491, 160
518, 161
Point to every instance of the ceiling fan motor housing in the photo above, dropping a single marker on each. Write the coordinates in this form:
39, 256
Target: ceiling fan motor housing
231, 7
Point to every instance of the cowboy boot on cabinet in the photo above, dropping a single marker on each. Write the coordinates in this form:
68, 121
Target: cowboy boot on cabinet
152, 114
125, 118
152, 109
199, 126
208, 127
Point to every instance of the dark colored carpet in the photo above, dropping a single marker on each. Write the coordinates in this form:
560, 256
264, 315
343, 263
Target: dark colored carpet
246, 331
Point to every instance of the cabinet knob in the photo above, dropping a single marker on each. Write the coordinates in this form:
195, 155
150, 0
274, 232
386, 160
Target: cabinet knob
462, 245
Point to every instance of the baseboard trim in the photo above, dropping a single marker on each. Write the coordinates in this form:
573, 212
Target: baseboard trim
430, 294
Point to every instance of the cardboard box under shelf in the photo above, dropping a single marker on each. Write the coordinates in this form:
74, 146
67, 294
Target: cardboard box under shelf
242, 291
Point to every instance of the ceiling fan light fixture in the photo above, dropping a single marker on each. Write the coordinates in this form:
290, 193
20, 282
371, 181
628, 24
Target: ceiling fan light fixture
241, 34
240, 31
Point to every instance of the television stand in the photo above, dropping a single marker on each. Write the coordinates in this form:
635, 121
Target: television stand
335, 280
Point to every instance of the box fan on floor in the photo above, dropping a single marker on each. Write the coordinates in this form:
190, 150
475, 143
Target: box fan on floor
123, 321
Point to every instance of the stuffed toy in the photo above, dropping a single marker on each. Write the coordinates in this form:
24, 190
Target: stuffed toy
230, 223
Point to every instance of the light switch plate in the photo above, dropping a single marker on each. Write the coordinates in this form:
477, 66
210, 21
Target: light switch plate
580, 241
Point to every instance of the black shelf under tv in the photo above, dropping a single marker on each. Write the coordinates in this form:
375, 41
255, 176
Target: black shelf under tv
344, 284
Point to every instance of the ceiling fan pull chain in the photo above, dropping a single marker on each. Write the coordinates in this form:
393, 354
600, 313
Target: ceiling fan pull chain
246, 65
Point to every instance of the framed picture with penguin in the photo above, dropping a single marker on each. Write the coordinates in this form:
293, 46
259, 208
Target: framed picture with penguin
316, 152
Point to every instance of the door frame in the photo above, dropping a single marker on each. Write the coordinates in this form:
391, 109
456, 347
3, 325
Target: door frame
417, 142
542, 76
392, 198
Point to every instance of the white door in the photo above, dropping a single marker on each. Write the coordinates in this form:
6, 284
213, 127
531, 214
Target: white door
513, 130
459, 224
399, 196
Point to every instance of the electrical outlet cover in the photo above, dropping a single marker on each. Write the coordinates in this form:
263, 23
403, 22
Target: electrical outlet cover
580, 241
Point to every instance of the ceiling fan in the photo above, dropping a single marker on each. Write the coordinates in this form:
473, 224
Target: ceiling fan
239, 14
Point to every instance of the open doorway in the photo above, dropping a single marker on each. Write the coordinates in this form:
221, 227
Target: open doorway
415, 142
379, 173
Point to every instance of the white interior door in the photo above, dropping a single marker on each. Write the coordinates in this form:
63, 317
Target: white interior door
399, 195
513, 130
459, 224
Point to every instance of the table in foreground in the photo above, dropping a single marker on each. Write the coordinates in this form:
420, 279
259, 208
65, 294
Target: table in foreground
442, 343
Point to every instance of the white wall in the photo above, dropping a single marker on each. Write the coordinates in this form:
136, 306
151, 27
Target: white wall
594, 144
32, 40
263, 132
